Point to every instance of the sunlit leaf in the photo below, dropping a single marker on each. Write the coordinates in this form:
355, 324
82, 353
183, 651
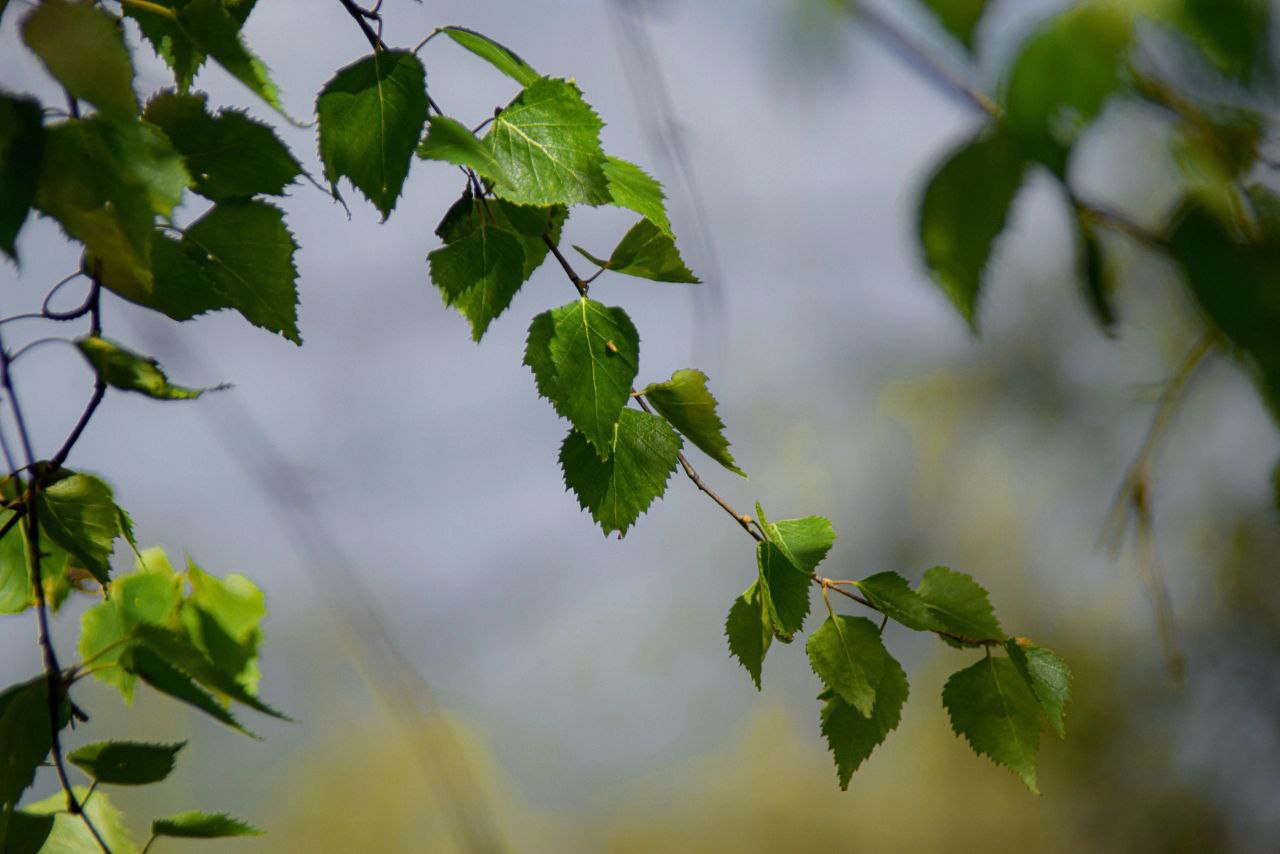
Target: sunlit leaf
631, 187
202, 825
959, 605
685, 401
1048, 676
648, 252
129, 371
849, 657
449, 140
84, 48
78, 512
499, 56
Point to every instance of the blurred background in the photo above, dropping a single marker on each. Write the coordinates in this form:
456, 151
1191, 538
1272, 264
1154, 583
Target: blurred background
471, 664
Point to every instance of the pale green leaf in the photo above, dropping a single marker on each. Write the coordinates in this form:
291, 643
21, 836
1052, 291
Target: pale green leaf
547, 141
499, 56
890, 593
992, 706
228, 155
70, 835
21, 152
224, 619
84, 48
852, 736
1049, 678
78, 513
959, 605
748, 631
202, 825
124, 369
16, 594
371, 116
633, 188
450, 141
685, 401
584, 357
648, 253
617, 490
804, 542
126, 763
849, 658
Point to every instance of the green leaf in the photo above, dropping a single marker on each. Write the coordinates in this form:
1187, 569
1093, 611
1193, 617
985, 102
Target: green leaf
479, 274
617, 490
529, 224
849, 657
1099, 283
685, 401
1065, 73
202, 825
167, 679
371, 116
784, 591
450, 141
172, 43
958, 17
959, 605
1238, 286
993, 708
214, 29
229, 155
804, 542
25, 833
105, 182
547, 141
83, 47
126, 763
1048, 676
16, 594
71, 835
631, 187
584, 357
178, 650
25, 736
78, 512
1235, 35
224, 618
852, 736
238, 255
892, 596
499, 56
748, 631
21, 151
964, 210
647, 252
124, 369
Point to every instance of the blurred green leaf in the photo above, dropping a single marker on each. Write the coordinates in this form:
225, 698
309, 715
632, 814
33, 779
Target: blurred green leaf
964, 209
70, 835
633, 188
992, 706
1098, 282
685, 401
1235, 35
851, 735
228, 155
958, 17
78, 512
959, 604
547, 141
1048, 676
15, 581
84, 48
648, 252
849, 658
584, 357
202, 825
499, 56
892, 595
617, 490
449, 140
748, 631
126, 763
129, 371
224, 618
371, 116
25, 736
24, 833
21, 151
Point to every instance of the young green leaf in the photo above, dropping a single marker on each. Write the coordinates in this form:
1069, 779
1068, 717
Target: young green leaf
992, 706
1065, 73
167, 679
647, 252
784, 591
371, 116
450, 141
83, 47
21, 151
479, 274
633, 188
617, 490
958, 17
584, 357
70, 834
25, 738
126, 763
749, 631
804, 542
229, 155
959, 605
547, 141
499, 56
849, 657
202, 825
224, 617
1236, 285
78, 512
685, 401
890, 593
16, 594
1048, 676
851, 735
214, 29
238, 255
963, 212
124, 369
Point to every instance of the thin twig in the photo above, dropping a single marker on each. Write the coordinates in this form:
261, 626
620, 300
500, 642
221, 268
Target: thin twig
362, 17
99, 384
564, 264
